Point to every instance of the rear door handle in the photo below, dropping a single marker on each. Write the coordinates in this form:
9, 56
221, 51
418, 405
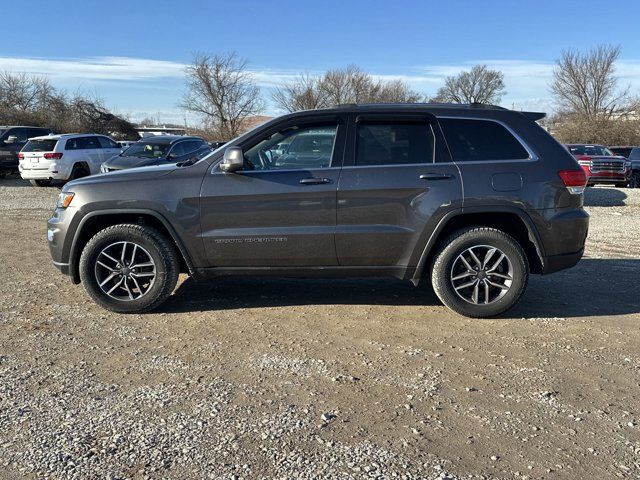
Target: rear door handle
314, 181
436, 176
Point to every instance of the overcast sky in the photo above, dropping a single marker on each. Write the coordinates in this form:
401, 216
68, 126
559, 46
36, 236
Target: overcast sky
133, 54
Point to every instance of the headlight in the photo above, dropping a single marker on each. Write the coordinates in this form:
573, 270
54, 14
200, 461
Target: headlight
64, 199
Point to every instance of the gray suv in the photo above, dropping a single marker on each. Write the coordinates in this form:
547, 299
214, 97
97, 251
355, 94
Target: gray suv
472, 197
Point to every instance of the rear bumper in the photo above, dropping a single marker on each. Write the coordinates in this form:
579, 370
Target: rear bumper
555, 263
43, 170
563, 234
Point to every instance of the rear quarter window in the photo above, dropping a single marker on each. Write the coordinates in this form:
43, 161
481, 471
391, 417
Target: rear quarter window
40, 146
472, 140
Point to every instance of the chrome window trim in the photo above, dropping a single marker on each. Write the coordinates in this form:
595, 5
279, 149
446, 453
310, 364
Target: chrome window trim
532, 154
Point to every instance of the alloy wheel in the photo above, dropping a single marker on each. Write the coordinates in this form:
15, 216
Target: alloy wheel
481, 274
125, 271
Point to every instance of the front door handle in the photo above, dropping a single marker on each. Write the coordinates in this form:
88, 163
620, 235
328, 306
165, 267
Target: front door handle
314, 181
436, 176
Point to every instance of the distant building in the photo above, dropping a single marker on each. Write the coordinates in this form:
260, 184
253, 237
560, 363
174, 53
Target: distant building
151, 130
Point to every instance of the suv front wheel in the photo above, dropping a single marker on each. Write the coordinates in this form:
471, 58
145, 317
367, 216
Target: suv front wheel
129, 268
480, 272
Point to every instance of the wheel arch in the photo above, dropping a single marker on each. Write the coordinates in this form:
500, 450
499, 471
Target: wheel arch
93, 222
511, 220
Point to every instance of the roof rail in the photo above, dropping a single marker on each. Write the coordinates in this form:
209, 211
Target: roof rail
424, 104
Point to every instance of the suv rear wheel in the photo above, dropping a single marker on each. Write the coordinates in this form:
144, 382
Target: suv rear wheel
129, 268
40, 183
480, 272
79, 171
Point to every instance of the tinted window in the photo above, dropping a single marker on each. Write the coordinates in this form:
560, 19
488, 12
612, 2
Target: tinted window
38, 132
147, 149
294, 148
82, 143
40, 146
192, 145
635, 154
394, 144
107, 143
22, 134
480, 140
178, 149
596, 150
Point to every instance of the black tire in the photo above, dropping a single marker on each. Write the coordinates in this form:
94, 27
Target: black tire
635, 179
40, 183
79, 171
154, 243
2, 176
442, 273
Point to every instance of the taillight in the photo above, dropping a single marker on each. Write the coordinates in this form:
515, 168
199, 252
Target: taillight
585, 161
53, 155
21, 156
574, 180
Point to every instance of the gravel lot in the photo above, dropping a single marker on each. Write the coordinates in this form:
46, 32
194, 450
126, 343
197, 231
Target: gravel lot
253, 378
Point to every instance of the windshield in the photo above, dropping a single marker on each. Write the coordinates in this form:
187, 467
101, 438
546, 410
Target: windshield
146, 150
594, 150
40, 145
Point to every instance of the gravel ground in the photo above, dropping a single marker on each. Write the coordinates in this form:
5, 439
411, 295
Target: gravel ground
280, 378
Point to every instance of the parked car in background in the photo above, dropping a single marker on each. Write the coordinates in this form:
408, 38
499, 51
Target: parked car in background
12, 139
157, 150
632, 154
601, 165
124, 144
634, 160
622, 151
64, 157
216, 145
472, 198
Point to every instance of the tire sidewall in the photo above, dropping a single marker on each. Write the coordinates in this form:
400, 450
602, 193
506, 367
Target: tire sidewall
441, 274
87, 269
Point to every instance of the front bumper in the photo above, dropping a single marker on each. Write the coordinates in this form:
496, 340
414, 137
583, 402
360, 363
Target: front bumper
62, 222
8, 165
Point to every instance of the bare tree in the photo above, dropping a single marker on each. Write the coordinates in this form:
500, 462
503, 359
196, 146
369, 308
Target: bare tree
32, 100
479, 85
223, 92
585, 83
301, 94
339, 86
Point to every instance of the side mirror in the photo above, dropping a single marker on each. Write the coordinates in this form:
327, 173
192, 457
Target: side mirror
11, 139
233, 160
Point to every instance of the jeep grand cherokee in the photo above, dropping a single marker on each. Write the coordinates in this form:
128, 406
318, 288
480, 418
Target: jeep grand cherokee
474, 198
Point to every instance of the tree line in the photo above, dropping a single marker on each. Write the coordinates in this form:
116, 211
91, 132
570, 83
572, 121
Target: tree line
590, 104
32, 100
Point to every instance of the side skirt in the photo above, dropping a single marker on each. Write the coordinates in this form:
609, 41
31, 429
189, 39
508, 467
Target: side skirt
400, 272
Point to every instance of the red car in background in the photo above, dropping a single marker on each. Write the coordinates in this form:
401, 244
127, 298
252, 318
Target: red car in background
601, 165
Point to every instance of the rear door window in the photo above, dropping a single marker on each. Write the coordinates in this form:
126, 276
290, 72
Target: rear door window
40, 145
472, 140
107, 143
394, 144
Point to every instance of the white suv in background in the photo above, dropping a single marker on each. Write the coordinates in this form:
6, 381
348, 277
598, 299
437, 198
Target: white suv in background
64, 157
